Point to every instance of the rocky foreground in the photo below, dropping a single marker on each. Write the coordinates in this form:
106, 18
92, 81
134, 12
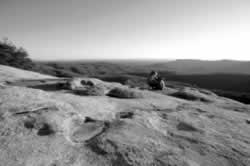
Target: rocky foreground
87, 122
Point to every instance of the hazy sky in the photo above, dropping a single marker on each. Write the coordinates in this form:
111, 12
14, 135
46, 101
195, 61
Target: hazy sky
90, 29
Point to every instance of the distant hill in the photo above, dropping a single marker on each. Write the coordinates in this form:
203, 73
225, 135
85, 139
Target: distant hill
92, 68
115, 67
204, 67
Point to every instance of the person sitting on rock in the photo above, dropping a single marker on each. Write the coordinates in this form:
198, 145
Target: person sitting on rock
155, 81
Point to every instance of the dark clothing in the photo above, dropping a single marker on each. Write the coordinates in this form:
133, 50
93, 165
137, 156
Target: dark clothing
156, 83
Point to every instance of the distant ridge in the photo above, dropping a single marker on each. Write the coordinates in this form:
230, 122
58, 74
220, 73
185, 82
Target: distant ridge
187, 66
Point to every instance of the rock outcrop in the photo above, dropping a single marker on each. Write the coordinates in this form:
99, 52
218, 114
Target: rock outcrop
187, 127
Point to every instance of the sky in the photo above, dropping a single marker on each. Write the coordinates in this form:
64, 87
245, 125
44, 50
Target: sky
128, 29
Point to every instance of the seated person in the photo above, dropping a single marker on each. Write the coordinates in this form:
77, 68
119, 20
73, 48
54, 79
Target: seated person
155, 81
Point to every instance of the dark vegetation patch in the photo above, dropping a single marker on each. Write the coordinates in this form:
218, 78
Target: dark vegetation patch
45, 130
49, 87
12, 55
186, 127
191, 140
89, 83
200, 110
96, 146
189, 96
163, 115
90, 91
34, 120
29, 124
119, 78
119, 159
125, 79
211, 116
125, 115
89, 120
45, 84
124, 93
108, 149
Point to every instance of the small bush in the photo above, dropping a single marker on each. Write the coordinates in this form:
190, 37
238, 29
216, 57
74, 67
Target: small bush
12, 55
189, 96
125, 93
90, 91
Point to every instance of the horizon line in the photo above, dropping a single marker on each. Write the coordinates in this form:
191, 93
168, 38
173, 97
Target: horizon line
136, 59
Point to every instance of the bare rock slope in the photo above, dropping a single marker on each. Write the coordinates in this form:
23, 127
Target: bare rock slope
120, 126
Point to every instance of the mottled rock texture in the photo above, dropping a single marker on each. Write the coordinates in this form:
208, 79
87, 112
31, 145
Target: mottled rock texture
188, 127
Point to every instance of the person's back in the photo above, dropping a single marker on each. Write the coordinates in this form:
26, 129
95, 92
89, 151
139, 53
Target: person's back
155, 81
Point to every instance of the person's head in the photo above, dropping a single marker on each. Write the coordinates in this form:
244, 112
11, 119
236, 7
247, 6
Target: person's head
153, 73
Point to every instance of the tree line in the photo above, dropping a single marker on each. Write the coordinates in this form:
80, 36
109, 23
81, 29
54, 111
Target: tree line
12, 55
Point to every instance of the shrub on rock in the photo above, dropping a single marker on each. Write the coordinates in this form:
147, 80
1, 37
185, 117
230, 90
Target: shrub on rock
12, 55
187, 95
125, 93
90, 91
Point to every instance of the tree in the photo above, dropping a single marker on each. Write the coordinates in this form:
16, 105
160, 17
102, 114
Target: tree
12, 55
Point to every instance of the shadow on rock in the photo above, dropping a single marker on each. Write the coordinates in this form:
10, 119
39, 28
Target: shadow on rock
125, 93
190, 96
